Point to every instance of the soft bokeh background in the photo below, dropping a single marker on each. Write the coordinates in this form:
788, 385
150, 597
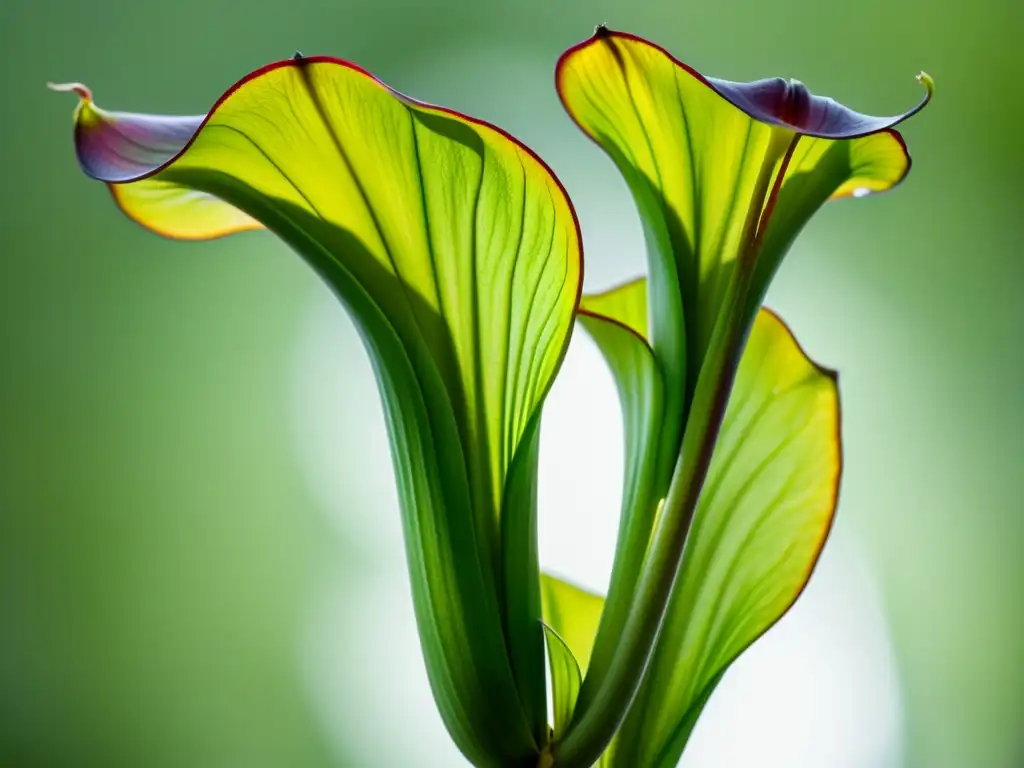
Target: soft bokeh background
200, 564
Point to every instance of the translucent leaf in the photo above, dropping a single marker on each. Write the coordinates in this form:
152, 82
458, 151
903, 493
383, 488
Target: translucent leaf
693, 150
762, 519
573, 613
457, 253
565, 680
625, 305
724, 176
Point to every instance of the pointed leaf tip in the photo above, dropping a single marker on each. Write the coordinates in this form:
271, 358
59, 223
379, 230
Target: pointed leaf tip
573, 613
566, 678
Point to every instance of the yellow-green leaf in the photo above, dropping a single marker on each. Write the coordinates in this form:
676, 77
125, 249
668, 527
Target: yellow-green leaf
573, 613
624, 304
724, 176
722, 173
572, 616
762, 519
457, 253
565, 680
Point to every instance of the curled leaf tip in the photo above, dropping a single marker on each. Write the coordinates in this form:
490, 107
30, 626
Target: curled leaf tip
82, 90
789, 104
929, 86
926, 80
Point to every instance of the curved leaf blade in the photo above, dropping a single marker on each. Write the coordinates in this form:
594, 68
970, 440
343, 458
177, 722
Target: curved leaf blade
573, 613
724, 176
675, 141
521, 571
703, 158
624, 304
311, 132
821, 170
566, 679
458, 254
761, 522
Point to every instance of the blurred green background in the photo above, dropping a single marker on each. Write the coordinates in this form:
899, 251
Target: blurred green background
200, 562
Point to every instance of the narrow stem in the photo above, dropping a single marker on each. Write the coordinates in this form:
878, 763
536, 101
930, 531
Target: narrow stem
603, 704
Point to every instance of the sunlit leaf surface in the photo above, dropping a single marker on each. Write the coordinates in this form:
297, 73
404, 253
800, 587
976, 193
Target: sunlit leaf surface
699, 154
724, 176
763, 516
457, 253
573, 613
565, 680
